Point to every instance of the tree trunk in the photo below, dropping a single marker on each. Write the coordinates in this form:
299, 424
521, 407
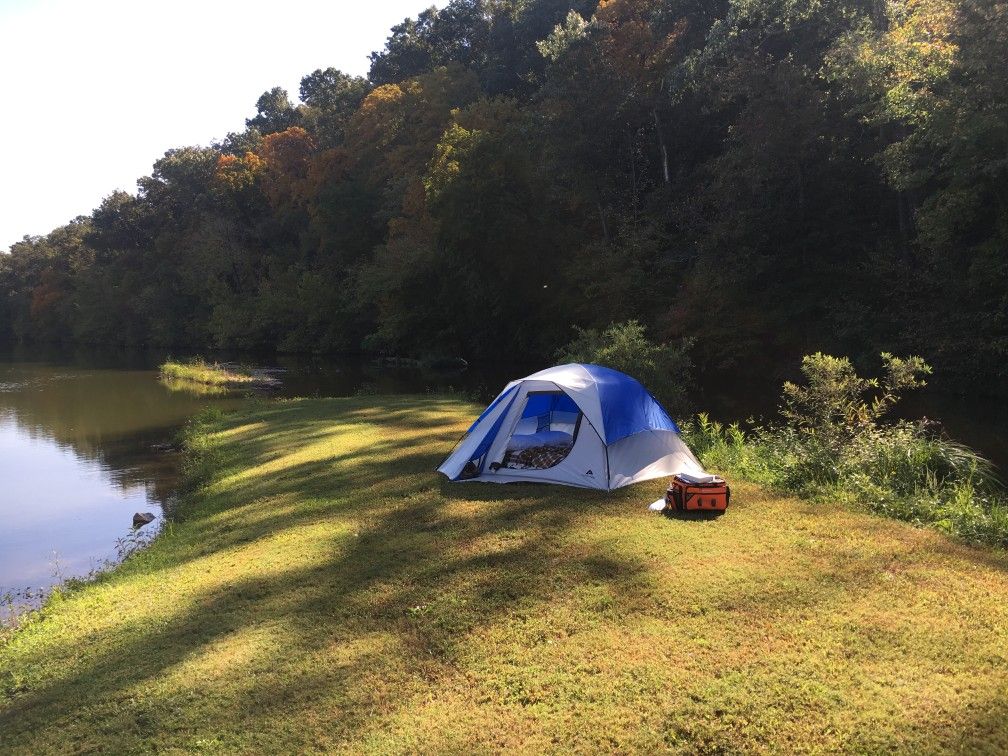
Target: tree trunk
662, 147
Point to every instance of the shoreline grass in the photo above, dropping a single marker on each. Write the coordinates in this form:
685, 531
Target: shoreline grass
895, 472
323, 590
212, 374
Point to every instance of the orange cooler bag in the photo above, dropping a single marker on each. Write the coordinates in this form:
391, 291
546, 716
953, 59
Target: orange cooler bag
691, 496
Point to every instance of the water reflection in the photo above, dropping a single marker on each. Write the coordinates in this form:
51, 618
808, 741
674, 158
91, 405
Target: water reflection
78, 457
59, 510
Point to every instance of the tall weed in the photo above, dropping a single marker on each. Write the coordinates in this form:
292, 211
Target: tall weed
202, 454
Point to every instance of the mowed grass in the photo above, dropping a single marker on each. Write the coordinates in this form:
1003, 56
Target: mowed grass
328, 592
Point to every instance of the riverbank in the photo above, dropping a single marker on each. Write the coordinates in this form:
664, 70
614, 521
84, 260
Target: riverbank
324, 590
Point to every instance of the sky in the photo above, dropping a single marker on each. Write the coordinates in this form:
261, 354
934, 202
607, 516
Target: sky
92, 92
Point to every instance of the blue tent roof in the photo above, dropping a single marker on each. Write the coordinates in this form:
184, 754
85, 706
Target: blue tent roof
627, 407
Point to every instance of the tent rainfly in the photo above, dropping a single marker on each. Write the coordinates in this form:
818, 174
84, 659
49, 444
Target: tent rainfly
577, 425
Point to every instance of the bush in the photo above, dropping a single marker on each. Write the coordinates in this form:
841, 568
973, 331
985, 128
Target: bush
665, 369
834, 443
837, 405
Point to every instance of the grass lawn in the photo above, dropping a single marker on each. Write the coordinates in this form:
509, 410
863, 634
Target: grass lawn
327, 591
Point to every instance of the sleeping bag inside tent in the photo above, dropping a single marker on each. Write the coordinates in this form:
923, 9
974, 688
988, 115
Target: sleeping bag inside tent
577, 425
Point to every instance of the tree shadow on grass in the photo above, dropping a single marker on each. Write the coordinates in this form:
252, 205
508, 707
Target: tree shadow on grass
401, 563
363, 579
397, 579
486, 491
692, 516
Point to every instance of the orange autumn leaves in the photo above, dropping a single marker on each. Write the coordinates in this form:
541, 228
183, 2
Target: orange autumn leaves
238, 173
394, 131
279, 167
632, 41
287, 168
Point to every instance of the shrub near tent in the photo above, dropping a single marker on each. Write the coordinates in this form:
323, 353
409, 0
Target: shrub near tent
578, 425
835, 444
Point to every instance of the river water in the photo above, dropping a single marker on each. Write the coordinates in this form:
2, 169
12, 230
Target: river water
79, 456
83, 439
83, 436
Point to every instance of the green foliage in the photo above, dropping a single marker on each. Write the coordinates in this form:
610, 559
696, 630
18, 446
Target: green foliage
330, 99
761, 175
572, 30
834, 445
666, 369
274, 112
451, 152
900, 472
835, 414
726, 448
834, 404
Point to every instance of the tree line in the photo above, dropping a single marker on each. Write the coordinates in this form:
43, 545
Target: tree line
768, 178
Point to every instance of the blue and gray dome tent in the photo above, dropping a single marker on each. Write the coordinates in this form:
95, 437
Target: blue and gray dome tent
577, 425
